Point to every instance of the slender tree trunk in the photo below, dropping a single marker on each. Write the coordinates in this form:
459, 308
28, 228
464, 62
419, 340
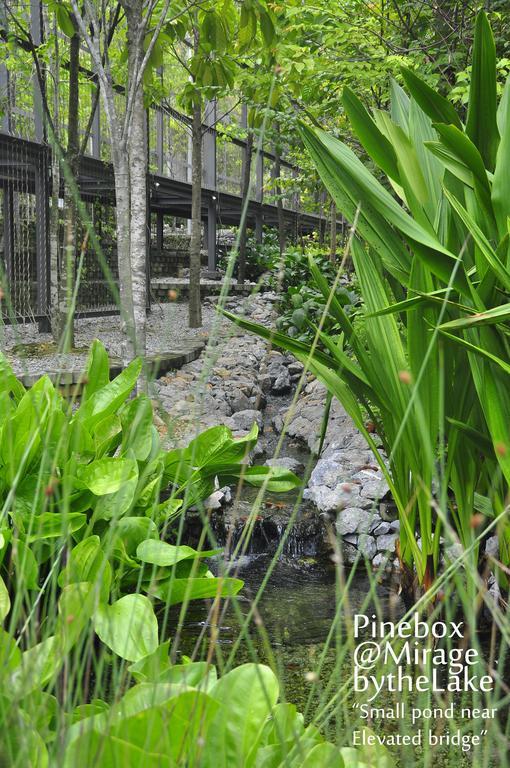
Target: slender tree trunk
122, 220
67, 271
332, 238
138, 222
245, 195
195, 306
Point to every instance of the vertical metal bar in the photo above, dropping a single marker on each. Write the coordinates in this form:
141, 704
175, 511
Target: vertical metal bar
8, 216
211, 234
96, 131
36, 30
41, 240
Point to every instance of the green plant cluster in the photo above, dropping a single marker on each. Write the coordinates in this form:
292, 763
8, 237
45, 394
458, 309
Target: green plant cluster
302, 306
432, 260
88, 497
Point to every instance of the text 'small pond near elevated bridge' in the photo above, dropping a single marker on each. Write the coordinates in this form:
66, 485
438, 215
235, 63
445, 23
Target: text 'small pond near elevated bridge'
26, 192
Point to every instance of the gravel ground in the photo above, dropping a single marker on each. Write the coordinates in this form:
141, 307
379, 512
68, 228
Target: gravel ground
167, 330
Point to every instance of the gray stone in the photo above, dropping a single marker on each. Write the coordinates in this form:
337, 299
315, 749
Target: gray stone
215, 500
375, 489
381, 529
395, 525
350, 553
492, 547
282, 383
380, 560
245, 419
287, 462
238, 401
264, 381
367, 546
353, 520
386, 543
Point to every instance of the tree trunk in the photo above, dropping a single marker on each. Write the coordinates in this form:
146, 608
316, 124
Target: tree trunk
332, 238
138, 229
245, 195
195, 307
67, 268
122, 220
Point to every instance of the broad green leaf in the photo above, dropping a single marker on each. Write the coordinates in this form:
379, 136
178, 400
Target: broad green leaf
107, 475
52, 525
161, 736
487, 251
128, 627
160, 553
246, 696
137, 427
501, 181
375, 143
97, 371
323, 756
25, 564
481, 126
439, 109
328, 152
5, 602
131, 531
109, 398
20, 743
175, 591
87, 562
10, 654
490, 317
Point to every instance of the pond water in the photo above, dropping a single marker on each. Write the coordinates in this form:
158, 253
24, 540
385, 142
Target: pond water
292, 625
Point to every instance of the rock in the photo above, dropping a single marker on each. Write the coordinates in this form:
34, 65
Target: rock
333, 499
492, 547
245, 419
380, 559
264, 381
367, 546
350, 553
395, 525
215, 500
381, 529
386, 543
353, 520
293, 465
282, 384
238, 401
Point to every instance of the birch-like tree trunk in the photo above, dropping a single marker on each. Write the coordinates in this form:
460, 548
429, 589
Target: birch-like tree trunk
67, 268
138, 166
245, 195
